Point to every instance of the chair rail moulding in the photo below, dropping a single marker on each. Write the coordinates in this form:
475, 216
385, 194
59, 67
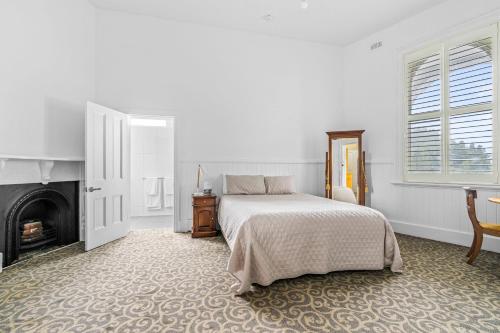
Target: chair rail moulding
45, 163
256, 161
3, 163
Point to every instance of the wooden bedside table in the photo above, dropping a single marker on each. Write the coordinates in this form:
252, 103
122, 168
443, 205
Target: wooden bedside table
204, 216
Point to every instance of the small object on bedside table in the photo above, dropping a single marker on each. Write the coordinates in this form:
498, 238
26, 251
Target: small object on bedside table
207, 188
204, 216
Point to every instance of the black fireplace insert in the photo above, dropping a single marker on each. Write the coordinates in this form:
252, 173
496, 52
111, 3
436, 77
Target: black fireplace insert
34, 216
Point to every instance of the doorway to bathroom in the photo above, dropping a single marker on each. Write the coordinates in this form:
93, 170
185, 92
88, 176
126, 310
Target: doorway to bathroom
152, 163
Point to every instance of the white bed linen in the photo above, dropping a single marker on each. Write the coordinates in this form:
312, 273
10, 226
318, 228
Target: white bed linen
274, 237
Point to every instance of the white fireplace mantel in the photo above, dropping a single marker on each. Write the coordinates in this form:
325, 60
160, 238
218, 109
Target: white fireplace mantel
42, 158
45, 163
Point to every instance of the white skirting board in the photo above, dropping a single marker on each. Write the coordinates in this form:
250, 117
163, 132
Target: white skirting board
444, 235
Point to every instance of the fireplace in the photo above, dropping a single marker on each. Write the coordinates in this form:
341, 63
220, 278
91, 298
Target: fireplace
35, 217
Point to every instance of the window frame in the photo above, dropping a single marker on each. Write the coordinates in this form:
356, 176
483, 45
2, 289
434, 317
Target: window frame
442, 48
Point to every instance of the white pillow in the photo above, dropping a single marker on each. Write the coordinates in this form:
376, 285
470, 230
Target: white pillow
280, 185
244, 184
344, 194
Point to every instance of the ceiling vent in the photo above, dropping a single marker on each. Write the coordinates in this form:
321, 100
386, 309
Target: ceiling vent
267, 17
376, 45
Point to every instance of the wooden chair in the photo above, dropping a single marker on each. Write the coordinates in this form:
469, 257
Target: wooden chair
479, 228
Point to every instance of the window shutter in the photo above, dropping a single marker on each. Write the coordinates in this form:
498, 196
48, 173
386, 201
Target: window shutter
471, 73
424, 145
424, 84
471, 92
471, 142
424, 101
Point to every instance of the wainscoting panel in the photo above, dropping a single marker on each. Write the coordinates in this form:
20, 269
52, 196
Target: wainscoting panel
309, 177
429, 211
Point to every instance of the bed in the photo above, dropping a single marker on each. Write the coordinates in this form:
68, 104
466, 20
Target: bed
274, 237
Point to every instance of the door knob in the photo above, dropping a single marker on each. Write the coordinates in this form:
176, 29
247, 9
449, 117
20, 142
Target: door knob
92, 189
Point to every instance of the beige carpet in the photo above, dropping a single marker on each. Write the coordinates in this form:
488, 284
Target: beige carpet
158, 281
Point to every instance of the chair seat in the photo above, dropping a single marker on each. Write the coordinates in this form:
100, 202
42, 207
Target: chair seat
495, 228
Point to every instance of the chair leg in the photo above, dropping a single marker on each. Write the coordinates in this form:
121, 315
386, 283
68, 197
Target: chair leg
477, 247
473, 245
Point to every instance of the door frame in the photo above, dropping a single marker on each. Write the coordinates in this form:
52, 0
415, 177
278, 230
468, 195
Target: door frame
176, 172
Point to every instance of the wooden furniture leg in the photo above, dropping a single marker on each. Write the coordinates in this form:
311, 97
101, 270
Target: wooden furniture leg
473, 245
479, 242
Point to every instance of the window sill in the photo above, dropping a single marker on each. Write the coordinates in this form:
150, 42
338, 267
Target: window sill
446, 185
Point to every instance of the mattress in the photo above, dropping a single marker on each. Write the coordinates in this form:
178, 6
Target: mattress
274, 237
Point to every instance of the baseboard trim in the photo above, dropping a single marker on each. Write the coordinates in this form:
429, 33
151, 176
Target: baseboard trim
444, 235
258, 161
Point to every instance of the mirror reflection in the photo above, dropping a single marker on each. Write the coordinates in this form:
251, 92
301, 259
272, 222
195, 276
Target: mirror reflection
345, 164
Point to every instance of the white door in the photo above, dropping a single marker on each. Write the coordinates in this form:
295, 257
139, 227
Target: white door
106, 175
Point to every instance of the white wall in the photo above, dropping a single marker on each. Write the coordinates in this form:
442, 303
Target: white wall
46, 75
242, 101
371, 100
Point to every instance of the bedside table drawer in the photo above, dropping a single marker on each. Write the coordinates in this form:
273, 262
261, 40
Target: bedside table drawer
201, 201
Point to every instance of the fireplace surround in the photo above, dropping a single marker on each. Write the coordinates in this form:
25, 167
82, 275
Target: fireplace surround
34, 216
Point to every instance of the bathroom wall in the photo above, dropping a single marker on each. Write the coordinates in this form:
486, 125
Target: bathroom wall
152, 155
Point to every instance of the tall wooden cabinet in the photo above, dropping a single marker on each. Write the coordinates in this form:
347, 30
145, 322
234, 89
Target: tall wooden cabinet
204, 216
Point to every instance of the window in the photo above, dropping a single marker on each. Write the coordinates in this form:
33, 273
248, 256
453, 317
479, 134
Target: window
451, 110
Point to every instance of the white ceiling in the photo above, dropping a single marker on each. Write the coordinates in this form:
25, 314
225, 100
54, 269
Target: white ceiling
337, 22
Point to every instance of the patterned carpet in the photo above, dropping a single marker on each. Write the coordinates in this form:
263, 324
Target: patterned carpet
158, 281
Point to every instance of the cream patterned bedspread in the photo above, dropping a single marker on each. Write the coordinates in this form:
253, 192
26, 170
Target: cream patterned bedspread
274, 237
